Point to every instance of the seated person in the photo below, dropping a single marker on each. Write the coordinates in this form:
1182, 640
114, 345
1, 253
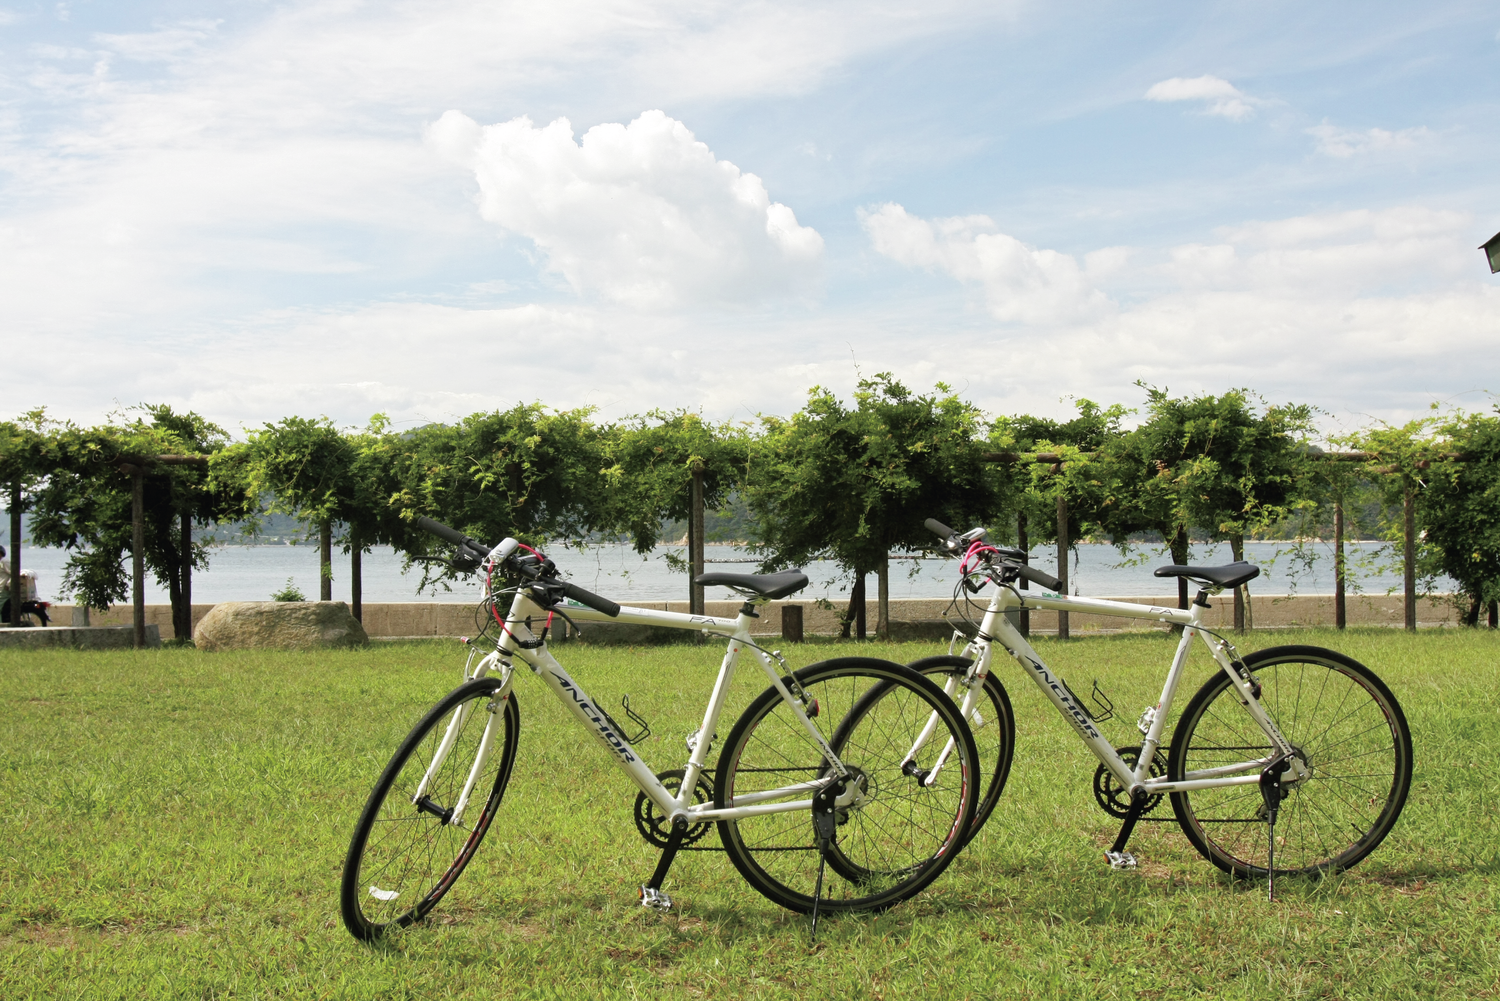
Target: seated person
29, 604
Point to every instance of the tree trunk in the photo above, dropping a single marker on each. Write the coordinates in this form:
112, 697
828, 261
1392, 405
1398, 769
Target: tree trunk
17, 596
1062, 561
1340, 607
138, 553
1471, 617
1237, 550
1024, 544
356, 576
857, 603
1494, 614
1409, 556
325, 561
695, 543
883, 591
183, 626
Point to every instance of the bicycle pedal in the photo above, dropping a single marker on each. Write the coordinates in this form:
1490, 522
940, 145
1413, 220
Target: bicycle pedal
655, 899
1120, 860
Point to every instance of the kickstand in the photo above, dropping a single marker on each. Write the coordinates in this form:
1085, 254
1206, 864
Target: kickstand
825, 822
1270, 791
1117, 856
651, 894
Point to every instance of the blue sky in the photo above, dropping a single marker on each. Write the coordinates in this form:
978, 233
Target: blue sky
339, 208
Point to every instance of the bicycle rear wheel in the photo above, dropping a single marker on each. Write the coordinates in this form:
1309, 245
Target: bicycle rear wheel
405, 855
1344, 725
993, 724
899, 838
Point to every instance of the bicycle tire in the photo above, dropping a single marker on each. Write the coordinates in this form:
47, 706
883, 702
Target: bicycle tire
1342, 721
884, 851
395, 877
993, 723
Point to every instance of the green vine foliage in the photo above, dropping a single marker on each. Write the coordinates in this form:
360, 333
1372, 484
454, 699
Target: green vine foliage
84, 503
854, 482
1458, 510
528, 473
1083, 478
650, 464
1228, 465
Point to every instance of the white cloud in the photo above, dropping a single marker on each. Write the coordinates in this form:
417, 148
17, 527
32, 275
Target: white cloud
1368, 311
1021, 284
1220, 97
1338, 142
641, 213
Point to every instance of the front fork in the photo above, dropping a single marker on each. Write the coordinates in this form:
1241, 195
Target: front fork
496, 708
973, 685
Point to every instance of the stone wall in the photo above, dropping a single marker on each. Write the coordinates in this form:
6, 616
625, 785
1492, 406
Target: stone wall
420, 618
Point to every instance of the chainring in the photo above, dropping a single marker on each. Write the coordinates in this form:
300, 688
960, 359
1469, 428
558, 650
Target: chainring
1113, 798
652, 823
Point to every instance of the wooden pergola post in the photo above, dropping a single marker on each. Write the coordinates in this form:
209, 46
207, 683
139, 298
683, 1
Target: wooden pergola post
1340, 612
1062, 561
137, 549
1409, 555
356, 576
325, 560
695, 543
1024, 544
16, 594
184, 629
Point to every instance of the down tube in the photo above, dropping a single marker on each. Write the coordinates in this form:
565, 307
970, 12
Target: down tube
592, 717
1053, 687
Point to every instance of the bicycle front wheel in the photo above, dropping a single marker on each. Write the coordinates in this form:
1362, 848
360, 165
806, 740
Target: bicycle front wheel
1344, 726
902, 832
407, 851
992, 722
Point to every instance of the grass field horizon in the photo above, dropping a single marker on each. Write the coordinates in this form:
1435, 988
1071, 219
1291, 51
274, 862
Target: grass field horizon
175, 823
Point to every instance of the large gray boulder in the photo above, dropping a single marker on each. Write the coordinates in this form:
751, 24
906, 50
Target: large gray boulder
279, 625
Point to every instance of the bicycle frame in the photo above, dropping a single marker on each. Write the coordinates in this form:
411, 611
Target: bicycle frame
996, 628
519, 641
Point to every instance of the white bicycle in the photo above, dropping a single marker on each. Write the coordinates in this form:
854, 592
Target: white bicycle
815, 798
1292, 759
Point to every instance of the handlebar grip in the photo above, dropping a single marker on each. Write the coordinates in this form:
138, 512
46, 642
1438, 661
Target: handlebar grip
443, 532
589, 599
1036, 576
939, 529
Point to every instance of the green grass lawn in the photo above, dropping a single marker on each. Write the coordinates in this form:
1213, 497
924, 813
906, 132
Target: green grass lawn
174, 825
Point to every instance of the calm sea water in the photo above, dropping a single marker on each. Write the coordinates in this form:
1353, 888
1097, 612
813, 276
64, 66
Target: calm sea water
253, 573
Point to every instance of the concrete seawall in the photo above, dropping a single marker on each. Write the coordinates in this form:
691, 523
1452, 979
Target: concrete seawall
909, 617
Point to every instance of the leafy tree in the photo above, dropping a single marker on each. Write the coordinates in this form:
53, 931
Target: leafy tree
333, 479
28, 453
651, 461
529, 473
1398, 457
1080, 480
1458, 510
85, 505
1227, 464
852, 483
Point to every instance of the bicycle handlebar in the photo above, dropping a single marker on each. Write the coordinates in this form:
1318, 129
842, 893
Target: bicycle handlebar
589, 599
1043, 578
479, 551
454, 536
939, 529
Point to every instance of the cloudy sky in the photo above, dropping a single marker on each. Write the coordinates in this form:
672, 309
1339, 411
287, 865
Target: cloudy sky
429, 208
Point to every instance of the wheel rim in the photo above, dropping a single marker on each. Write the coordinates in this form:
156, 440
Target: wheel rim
1348, 732
410, 856
881, 846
